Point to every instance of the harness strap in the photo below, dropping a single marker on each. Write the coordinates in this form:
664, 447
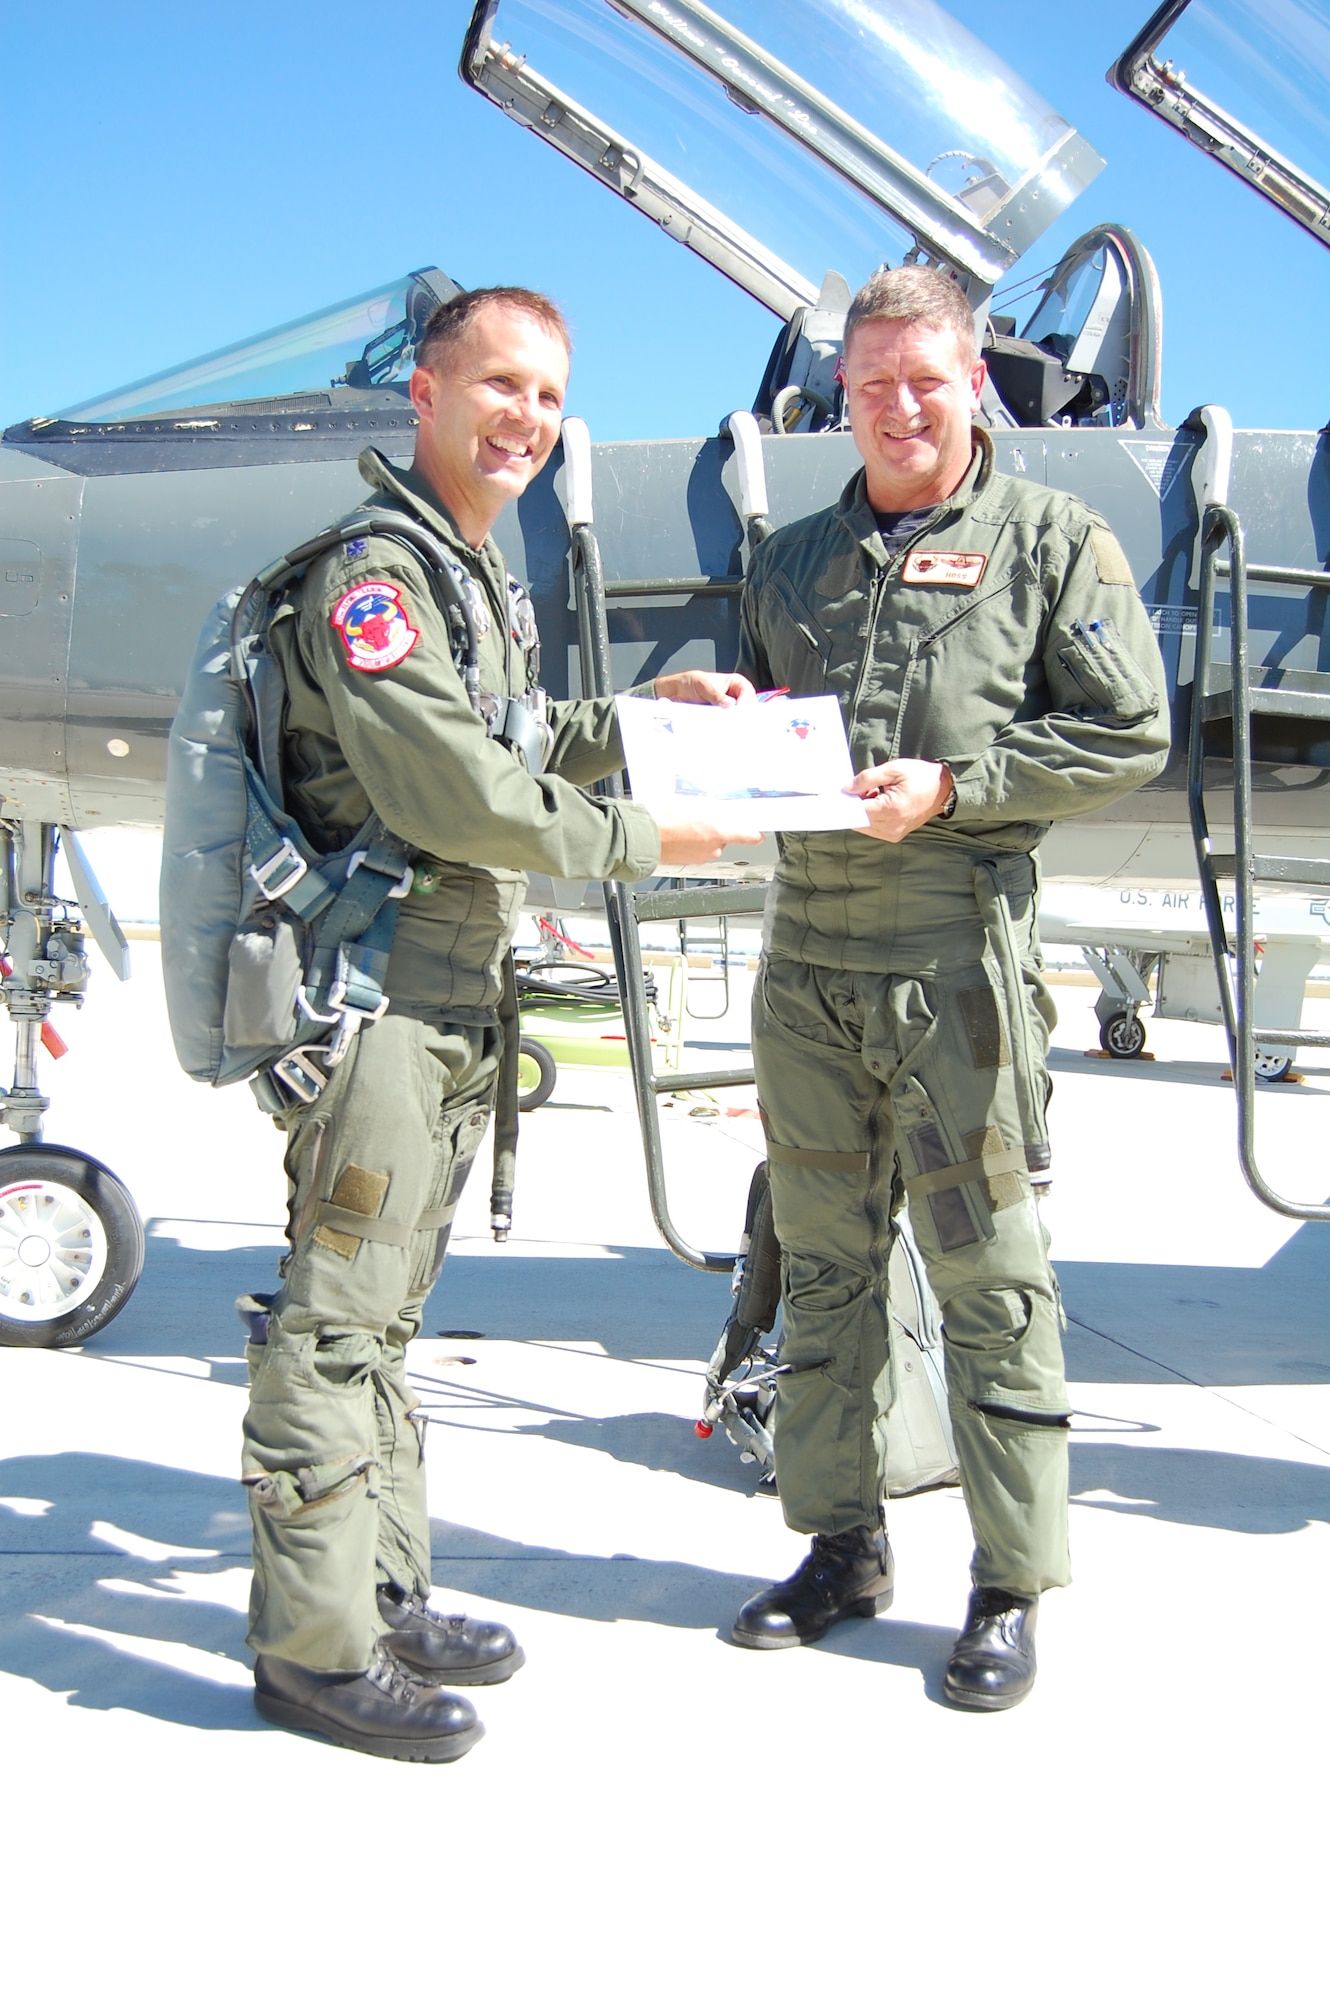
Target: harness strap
349, 961
276, 863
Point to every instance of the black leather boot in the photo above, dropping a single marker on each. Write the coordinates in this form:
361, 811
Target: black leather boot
446, 1647
992, 1663
385, 1711
850, 1575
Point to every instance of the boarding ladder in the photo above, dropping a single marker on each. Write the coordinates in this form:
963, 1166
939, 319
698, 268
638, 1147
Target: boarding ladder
628, 907
1236, 722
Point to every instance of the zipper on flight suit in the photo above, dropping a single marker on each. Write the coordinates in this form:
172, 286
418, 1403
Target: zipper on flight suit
925, 639
884, 576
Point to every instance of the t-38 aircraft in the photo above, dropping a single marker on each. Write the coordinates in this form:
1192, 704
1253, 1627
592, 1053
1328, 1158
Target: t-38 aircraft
785, 138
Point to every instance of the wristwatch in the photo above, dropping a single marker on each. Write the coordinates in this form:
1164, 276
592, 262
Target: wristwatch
950, 807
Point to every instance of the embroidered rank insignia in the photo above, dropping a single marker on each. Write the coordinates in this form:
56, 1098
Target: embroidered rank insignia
375, 630
955, 566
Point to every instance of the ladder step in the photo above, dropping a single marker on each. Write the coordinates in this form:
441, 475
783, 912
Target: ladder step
1286, 868
1308, 703
709, 899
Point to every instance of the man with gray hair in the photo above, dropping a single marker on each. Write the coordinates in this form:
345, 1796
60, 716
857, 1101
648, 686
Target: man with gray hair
996, 671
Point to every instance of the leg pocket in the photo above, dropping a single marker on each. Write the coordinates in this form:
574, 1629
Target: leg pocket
459, 1140
949, 1207
808, 1002
281, 1367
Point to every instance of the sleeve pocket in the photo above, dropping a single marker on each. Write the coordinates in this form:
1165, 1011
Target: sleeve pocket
1099, 677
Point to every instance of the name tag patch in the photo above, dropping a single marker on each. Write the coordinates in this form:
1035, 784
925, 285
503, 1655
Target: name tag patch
955, 566
375, 630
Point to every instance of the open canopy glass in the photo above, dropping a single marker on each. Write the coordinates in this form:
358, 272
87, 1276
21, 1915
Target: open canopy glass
1248, 82
791, 135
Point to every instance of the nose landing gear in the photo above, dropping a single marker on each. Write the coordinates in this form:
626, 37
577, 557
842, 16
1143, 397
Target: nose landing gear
71, 1240
71, 1246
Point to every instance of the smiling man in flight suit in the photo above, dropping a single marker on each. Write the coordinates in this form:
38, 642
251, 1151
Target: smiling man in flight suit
380, 719
996, 671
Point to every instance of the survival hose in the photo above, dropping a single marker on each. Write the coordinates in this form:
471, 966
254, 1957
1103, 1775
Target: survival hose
991, 896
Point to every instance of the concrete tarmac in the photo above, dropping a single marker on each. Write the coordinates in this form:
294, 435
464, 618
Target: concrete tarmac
654, 1811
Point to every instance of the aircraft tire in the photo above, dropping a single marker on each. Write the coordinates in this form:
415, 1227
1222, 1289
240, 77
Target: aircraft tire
71, 1246
537, 1074
1272, 1069
1122, 1036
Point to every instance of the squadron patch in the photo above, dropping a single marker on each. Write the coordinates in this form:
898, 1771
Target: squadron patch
954, 566
375, 630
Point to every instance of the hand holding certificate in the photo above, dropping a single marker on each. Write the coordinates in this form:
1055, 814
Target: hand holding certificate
773, 766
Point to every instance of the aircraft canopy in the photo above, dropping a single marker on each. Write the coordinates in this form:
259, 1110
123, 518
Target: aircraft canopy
363, 343
1227, 73
873, 127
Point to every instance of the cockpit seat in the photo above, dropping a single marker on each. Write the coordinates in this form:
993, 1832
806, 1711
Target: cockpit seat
1034, 385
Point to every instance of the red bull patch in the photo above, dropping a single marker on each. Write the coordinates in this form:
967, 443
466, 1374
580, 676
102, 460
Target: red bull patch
955, 566
375, 630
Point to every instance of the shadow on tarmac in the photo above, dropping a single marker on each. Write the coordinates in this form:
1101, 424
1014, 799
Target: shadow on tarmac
658, 1441
1128, 1322
1173, 1069
1201, 1489
107, 1567
110, 1563
639, 1304
1207, 1324
116, 1548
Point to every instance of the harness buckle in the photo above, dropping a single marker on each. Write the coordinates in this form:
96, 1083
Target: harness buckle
311, 1012
298, 1072
345, 1008
265, 873
304, 1071
402, 887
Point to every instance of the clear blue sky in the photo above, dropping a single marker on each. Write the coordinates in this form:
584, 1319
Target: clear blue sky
176, 178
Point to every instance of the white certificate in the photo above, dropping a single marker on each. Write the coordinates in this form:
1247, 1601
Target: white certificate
770, 766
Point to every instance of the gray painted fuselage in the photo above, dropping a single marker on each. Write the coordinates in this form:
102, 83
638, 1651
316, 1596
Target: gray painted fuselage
106, 573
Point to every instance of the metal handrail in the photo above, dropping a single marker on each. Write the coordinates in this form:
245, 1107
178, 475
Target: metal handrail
625, 942
1305, 579
1235, 963
674, 586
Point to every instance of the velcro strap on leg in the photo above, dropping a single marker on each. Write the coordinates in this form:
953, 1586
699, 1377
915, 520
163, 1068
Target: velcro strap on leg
435, 1218
804, 1156
370, 1228
825, 1163
1010, 1161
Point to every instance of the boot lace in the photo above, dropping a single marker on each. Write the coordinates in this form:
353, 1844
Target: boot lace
453, 1621
386, 1672
832, 1553
995, 1605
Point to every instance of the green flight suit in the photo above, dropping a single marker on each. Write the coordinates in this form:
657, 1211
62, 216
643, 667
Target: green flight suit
376, 1165
901, 1022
